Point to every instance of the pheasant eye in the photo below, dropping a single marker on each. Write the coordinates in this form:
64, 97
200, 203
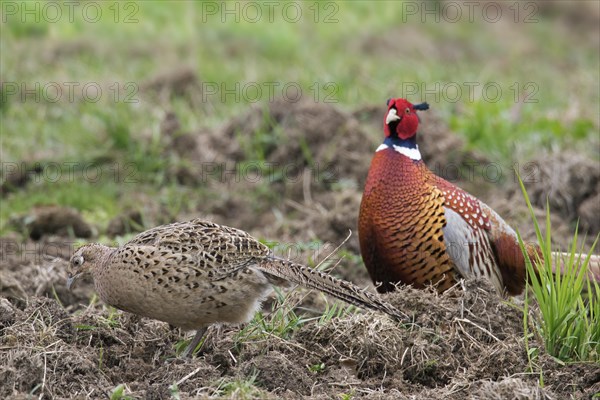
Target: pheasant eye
78, 261
407, 110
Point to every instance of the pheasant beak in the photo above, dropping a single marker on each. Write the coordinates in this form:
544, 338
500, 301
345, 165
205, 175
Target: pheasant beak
392, 116
71, 279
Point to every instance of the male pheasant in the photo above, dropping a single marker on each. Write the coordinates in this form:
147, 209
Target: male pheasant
417, 228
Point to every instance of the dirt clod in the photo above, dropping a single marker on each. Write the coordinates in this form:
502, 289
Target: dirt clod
589, 212
7, 313
53, 220
173, 83
566, 179
127, 222
16, 175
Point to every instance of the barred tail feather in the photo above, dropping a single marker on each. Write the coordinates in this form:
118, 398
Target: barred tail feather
593, 269
340, 289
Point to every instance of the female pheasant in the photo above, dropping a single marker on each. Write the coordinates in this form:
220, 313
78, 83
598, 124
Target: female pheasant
417, 228
196, 273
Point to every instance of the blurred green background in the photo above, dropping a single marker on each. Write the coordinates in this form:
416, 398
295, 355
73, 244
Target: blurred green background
543, 56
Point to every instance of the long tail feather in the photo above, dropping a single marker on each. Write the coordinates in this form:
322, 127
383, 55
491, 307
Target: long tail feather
593, 269
340, 289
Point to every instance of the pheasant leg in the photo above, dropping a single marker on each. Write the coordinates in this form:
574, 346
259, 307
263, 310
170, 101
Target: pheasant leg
189, 350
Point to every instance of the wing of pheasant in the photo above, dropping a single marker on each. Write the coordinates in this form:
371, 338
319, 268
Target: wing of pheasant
416, 228
196, 273
221, 249
479, 242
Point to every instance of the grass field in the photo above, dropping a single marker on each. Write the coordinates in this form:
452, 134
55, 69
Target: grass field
356, 53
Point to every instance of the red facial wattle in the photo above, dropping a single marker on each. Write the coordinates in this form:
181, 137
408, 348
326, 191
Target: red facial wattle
401, 119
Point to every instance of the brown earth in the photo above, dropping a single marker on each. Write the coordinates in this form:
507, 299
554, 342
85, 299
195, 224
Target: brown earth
463, 344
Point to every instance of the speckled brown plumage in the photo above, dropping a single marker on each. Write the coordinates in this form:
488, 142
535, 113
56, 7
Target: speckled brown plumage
196, 273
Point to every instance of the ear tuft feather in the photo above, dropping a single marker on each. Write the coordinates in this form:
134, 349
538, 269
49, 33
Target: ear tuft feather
421, 107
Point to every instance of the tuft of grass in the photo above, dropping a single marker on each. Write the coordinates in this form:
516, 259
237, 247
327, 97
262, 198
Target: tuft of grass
242, 388
568, 320
282, 322
118, 393
336, 310
316, 368
85, 327
174, 389
112, 321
